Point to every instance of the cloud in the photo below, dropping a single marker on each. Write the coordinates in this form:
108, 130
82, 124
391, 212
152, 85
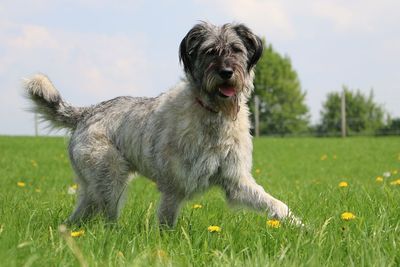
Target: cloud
13, 7
271, 17
356, 16
287, 20
85, 67
93, 62
31, 37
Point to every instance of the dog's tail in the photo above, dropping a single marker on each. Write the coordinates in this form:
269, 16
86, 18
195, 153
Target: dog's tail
47, 102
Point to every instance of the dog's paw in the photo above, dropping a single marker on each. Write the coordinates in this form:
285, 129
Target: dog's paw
281, 211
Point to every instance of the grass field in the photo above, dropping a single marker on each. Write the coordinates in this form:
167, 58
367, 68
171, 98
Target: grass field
304, 172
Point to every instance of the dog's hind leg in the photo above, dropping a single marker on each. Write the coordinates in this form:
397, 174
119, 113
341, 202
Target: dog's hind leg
114, 196
104, 172
85, 207
169, 208
109, 181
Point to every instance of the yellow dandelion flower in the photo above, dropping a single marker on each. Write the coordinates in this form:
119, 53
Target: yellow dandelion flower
77, 233
34, 163
214, 228
74, 186
324, 157
161, 254
394, 172
21, 184
258, 171
379, 179
395, 182
347, 216
197, 206
343, 184
273, 223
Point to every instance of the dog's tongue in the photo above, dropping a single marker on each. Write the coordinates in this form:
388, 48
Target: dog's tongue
227, 91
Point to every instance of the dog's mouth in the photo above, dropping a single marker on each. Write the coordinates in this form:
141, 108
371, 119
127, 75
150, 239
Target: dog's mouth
226, 91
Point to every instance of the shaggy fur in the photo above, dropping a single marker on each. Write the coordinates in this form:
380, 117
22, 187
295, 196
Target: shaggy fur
190, 138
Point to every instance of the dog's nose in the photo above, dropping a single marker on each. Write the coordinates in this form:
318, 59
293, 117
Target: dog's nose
226, 73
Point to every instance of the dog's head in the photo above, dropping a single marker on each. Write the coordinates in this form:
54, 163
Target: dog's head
219, 61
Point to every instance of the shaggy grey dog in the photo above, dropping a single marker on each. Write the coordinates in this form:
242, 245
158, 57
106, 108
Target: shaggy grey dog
190, 138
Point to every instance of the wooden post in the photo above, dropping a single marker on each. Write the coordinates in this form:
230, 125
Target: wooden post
256, 116
36, 125
343, 113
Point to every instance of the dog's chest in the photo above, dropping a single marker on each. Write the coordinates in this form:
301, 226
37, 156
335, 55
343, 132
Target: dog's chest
204, 158
195, 169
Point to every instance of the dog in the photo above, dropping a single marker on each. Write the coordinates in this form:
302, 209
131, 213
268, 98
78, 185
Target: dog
194, 136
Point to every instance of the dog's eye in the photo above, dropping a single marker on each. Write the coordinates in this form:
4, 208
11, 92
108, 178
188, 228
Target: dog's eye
237, 49
211, 52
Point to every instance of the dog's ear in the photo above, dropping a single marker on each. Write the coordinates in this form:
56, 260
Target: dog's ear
189, 46
252, 43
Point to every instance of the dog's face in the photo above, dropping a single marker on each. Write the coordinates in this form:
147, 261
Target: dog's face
219, 61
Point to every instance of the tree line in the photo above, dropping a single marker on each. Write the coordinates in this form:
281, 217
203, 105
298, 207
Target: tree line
283, 111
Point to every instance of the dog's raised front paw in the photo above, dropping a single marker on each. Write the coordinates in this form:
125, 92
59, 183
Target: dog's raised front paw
281, 211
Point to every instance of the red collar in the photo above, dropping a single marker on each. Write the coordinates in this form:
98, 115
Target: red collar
201, 103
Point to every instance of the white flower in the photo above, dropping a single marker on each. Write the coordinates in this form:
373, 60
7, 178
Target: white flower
386, 174
71, 190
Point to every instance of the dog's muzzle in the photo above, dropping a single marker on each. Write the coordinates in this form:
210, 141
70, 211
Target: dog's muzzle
226, 90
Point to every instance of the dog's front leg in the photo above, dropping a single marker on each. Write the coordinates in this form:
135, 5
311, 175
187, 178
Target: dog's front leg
249, 193
168, 209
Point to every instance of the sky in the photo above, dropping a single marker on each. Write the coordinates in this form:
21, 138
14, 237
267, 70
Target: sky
94, 50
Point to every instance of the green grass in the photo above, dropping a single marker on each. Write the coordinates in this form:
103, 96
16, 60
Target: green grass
290, 169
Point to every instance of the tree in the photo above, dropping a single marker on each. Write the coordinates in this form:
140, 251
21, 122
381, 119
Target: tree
362, 113
282, 107
392, 127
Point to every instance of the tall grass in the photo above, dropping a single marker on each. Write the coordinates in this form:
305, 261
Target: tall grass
304, 172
